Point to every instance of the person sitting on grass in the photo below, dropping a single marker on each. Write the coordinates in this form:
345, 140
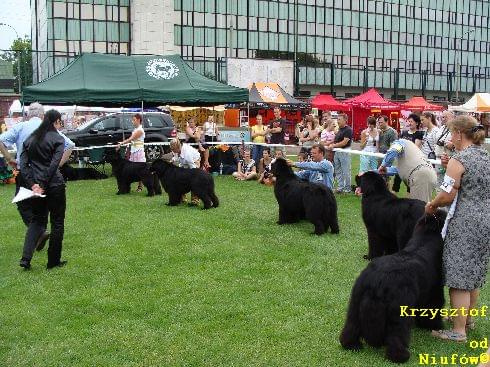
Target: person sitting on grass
302, 157
279, 153
265, 166
246, 168
319, 170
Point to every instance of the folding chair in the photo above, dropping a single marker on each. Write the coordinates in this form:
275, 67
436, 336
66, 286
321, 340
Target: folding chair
96, 159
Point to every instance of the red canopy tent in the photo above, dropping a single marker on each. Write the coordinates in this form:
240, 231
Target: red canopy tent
368, 104
326, 102
420, 104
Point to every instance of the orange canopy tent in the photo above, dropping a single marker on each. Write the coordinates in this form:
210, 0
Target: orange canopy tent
420, 104
326, 102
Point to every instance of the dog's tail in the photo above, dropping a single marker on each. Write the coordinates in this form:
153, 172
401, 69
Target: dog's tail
330, 212
212, 193
214, 199
373, 320
156, 183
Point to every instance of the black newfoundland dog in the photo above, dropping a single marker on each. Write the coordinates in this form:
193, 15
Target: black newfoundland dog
389, 220
391, 286
70, 173
127, 172
178, 181
299, 199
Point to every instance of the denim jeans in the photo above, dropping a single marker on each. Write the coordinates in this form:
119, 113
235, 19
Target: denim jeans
342, 163
257, 153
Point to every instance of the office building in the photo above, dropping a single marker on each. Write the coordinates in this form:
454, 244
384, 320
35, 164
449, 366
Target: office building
402, 47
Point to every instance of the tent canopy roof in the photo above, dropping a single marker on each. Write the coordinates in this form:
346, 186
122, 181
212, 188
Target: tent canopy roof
118, 80
371, 99
420, 104
327, 102
271, 94
480, 102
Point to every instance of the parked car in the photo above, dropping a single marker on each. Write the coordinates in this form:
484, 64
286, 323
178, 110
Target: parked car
113, 128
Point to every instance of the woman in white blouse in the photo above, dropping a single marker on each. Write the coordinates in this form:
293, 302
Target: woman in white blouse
210, 130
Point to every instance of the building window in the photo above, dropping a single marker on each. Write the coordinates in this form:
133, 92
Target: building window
87, 11
59, 9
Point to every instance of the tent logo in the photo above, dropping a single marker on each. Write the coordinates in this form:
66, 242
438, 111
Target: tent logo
162, 69
269, 93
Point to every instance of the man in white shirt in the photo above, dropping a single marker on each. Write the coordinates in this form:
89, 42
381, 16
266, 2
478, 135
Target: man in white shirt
184, 155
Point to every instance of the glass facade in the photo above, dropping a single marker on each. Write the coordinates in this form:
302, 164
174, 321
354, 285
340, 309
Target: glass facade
63, 29
394, 45
403, 44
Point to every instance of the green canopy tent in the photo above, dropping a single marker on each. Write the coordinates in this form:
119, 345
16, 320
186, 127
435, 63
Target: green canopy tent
118, 80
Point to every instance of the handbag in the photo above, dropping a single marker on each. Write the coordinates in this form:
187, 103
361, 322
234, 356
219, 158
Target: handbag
432, 154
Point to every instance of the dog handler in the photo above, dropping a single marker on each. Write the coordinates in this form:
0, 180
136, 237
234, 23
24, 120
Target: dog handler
185, 156
137, 140
413, 167
39, 161
466, 246
17, 135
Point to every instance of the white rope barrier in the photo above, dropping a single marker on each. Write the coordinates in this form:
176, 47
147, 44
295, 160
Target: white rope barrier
166, 143
377, 155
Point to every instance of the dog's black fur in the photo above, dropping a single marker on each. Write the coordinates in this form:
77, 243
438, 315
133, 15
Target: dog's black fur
70, 173
178, 181
299, 199
411, 277
127, 172
389, 220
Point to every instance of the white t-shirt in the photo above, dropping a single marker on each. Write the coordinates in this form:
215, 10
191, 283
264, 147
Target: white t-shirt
210, 128
430, 139
187, 157
139, 143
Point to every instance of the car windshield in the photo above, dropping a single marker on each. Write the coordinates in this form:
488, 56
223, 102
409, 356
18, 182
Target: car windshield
84, 125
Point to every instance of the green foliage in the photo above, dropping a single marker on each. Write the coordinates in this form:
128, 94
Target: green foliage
20, 48
152, 285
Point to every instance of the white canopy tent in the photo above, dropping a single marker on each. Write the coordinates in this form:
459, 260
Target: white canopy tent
480, 102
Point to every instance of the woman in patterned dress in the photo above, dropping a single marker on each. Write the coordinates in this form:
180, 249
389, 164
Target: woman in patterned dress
466, 234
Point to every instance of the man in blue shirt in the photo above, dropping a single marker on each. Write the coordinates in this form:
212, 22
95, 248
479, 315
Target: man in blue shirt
319, 170
17, 135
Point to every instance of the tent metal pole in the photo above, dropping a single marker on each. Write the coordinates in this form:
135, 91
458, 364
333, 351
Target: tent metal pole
352, 114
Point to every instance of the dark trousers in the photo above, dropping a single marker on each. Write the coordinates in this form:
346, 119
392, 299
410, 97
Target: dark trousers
53, 204
397, 183
24, 207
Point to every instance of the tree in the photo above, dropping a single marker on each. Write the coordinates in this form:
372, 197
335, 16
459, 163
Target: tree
23, 48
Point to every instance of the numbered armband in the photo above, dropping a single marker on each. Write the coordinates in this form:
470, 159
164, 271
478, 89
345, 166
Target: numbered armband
447, 184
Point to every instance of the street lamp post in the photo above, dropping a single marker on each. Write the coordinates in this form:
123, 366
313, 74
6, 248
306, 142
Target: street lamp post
18, 56
459, 58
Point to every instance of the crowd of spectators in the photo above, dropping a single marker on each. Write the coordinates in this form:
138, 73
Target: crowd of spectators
328, 133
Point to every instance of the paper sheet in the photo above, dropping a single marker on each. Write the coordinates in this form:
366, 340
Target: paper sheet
24, 194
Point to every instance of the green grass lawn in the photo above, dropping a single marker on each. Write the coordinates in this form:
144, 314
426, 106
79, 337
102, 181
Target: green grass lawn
150, 285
